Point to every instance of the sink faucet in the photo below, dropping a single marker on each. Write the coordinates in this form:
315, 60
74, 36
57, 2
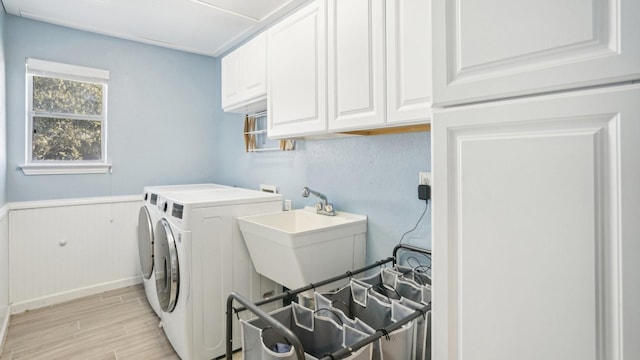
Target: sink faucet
323, 207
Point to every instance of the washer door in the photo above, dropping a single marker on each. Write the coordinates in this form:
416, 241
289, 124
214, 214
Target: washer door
145, 242
166, 266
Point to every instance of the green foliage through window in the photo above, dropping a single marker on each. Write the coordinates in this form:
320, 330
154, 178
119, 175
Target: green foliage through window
66, 96
66, 120
66, 139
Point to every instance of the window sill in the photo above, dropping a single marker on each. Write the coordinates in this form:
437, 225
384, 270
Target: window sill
64, 169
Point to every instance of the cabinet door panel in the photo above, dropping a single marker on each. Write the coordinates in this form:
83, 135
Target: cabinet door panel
356, 63
254, 67
489, 49
408, 61
244, 77
230, 69
297, 73
536, 256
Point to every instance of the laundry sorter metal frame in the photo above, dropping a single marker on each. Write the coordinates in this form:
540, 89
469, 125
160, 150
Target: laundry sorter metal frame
289, 335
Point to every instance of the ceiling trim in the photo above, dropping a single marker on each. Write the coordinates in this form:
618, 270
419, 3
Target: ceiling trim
204, 3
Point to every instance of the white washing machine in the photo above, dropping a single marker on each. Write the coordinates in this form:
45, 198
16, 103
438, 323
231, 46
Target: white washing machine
200, 258
148, 217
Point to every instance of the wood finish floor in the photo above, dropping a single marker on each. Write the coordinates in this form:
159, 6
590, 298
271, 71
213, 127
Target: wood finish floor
118, 324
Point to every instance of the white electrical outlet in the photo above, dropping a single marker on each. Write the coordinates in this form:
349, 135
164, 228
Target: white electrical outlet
424, 178
287, 205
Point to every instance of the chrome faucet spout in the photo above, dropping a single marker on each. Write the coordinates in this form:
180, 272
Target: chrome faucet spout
323, 207
306, 191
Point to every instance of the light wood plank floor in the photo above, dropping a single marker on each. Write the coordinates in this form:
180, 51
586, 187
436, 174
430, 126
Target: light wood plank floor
118, 324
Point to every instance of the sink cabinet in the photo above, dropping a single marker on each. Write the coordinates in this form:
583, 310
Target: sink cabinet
244, 77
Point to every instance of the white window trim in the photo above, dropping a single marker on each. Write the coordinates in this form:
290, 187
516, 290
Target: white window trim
60, 169
68, 72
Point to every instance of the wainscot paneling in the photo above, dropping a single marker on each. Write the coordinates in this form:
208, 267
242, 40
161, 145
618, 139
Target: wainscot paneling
64, 249
4, 274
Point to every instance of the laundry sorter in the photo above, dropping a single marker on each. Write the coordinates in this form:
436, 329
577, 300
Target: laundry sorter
382, 313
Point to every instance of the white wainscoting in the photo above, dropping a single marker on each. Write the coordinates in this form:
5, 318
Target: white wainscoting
64, 249
4, 274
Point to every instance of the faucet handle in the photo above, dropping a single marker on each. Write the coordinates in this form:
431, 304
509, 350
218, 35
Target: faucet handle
325, 209
328, 208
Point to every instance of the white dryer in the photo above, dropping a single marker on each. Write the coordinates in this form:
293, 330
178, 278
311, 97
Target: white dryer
148, 216
200, 258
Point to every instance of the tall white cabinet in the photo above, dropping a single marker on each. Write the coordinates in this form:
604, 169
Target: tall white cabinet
536, 199
536, 230
499, 48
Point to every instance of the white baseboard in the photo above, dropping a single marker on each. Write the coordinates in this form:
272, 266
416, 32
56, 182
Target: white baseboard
44, 301
4, 327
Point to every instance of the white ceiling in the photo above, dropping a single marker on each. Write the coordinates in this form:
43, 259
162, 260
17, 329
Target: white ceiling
208, 27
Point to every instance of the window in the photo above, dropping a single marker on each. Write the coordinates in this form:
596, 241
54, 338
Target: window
66, 119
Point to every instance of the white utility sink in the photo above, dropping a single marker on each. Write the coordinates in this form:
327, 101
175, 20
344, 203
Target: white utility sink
299, 247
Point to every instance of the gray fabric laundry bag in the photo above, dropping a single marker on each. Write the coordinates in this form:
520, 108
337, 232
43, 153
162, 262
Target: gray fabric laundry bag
318, 335
399, 284
357, 301
417, 273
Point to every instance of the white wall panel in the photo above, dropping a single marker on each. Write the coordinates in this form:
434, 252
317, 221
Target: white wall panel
60, 250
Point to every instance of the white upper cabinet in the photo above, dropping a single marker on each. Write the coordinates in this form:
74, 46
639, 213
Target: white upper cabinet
230, 73
379, 63
244, 77
342, 65
297, 87
356, 64
408, 34
489, 49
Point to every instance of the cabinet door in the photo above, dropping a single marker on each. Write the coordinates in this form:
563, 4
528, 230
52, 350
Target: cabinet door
230, 69
489, 49
254, 68
356, 64
244, 77
408, 61
297, 86
536, 228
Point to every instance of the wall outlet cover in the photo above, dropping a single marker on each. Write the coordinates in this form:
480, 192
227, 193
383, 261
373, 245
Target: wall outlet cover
424, 178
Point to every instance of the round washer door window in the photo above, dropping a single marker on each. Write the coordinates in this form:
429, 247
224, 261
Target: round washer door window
145, 242
166, 266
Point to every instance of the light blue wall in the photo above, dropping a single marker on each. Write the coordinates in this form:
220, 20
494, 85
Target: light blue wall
375, 175
160, 111
166, 126
4, 228
3, 118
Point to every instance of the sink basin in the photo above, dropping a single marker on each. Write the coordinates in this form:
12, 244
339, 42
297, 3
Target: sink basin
299, 247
